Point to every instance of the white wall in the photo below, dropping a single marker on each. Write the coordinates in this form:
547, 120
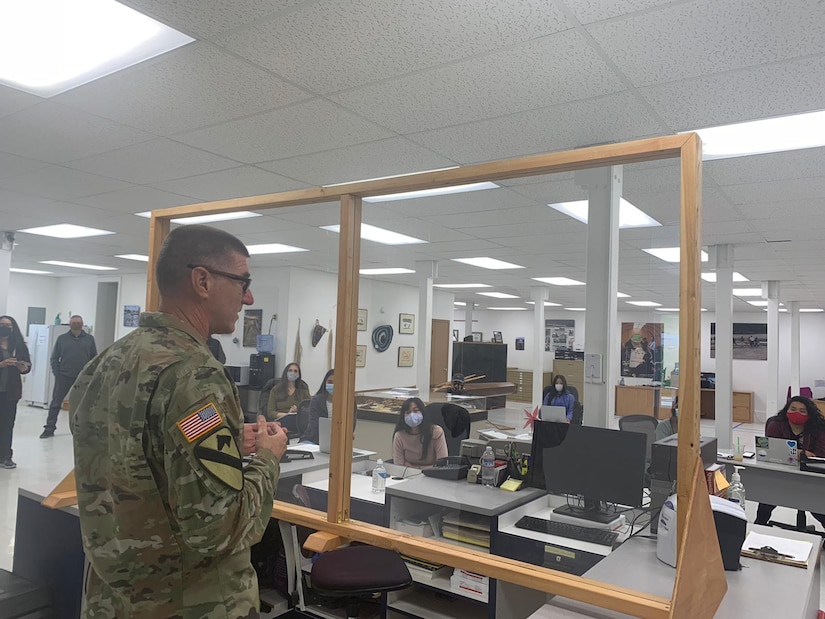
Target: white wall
27, 291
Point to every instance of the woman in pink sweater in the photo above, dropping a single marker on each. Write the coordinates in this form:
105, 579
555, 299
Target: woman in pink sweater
417, 441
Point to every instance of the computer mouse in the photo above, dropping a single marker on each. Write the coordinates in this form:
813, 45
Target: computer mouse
397, 478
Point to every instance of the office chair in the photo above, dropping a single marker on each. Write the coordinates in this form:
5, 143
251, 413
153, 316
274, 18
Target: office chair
643, 424
454, 420
302, 418
264, 401
805, 392
801, 516
578, 409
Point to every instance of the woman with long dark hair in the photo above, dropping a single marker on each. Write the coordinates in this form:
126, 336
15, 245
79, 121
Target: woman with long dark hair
799, 420
287, 393
418, 441
14, 361
560, 395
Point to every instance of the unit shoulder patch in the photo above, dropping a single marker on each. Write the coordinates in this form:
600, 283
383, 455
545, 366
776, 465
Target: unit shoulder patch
218, 453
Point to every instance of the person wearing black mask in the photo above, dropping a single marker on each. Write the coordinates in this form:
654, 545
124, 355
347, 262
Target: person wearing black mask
14, 361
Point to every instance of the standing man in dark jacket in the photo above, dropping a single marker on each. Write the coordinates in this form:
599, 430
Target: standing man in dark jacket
72, 351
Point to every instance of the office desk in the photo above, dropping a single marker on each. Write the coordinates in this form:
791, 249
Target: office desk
781, 484
761, 589
641, 400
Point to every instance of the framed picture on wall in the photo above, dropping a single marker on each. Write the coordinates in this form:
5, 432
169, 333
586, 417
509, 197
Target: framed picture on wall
406, 323
406, 355
455, 335
519, 343
497, 337
361, 325
477, 336
360, 356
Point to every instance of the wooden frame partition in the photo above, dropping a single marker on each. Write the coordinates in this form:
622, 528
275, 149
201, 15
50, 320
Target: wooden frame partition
700, 581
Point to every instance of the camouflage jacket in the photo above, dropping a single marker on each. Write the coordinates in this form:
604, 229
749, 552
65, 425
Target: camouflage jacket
167, 513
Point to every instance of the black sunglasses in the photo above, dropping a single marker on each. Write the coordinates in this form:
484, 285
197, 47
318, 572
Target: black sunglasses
246, 281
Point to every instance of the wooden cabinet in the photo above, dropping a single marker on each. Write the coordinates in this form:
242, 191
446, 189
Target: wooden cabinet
573, 372
743, 406
523, 380
631, 400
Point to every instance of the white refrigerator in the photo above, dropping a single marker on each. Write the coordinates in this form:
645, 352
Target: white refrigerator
39, 383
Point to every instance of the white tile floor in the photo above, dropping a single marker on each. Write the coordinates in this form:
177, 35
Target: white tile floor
43, 463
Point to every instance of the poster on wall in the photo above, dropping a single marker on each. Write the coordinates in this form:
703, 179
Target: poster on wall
559, 334
642, 349
750, 341
131, 315
252, 327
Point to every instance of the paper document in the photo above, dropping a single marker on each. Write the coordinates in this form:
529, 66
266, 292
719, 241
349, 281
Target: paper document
778, 549
306, 447
494, 434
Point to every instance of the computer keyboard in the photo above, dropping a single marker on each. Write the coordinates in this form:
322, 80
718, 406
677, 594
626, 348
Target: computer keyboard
448, 471
571, 531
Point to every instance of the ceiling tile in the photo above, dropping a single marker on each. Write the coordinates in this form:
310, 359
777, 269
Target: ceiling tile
13, 100
59, 183
10, 165
548, 71
300, 129
188, 88
56, 133
777, 191
806, 163
369, 40
605, 119
233, 183
587, 11
135, 200
360, 161
657, 47
152, 162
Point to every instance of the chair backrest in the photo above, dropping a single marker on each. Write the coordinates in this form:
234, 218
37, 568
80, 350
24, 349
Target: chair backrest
574, 391
455, 421
551, 387
768, 422
805, 392
643, 424
578, 413
302, 420
264, 401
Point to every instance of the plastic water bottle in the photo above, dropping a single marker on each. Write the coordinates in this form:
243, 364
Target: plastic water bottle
379, 477
736, 491
488, 467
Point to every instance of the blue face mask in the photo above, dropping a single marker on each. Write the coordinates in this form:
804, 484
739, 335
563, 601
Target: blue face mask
293, 376
329, 387
413, 419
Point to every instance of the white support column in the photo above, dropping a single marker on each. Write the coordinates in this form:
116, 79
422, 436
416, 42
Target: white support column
427, 271
6, 247
795, 342
721, 257
601, 340
539, 294
770, 291
468, 318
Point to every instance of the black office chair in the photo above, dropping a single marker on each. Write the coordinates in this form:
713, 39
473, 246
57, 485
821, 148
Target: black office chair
454, 420
302, 418
578, 409
265, 392
643, 424
801, 516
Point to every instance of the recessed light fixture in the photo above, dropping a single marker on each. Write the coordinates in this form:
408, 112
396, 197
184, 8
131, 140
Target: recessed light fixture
559, 281
711, 277
206, 219
66, 231
811, 309
272, 248
385, 271
462, 286
487, 263
77, 265
621, 295
546, 304
644, 303
670, 254
379, 235
426, 193
575, 309
138, 257
52, 46
629, 215
498, 295
769, 135
762, 303
29, 271
667, 309
747, 292
461, 303
508, 309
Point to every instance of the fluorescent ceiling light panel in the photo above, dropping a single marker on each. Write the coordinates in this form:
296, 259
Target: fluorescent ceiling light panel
670, 254
487, 263
77, 265
747, 292
383, 178
621, 295
462, 286
29, 271
66, 231
629, 215
498, 295
51, 46
462, 303
386, 271
575, 309
508, 309
272, 248
667, 309
711, 277
559, 281
426, 193
379, 235
762, 303
769, 135
546, 304
644, 303
138, 257
811, 309
206, 219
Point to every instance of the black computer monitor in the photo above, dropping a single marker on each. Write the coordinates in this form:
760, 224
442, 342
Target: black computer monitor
707, 380
546, 434
604, 466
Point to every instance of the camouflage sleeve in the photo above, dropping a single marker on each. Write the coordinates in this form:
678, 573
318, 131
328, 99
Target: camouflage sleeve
217, 505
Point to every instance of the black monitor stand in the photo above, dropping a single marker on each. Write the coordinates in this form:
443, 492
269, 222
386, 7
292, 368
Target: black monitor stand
590, 512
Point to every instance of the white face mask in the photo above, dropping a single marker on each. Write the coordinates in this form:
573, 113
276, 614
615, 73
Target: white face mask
413, 419
559, 387
293, 376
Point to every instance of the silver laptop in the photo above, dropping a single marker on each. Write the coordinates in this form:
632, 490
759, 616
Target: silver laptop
776, 450
554, 413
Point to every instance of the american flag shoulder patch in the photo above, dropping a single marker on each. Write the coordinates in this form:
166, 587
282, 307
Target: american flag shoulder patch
200, 422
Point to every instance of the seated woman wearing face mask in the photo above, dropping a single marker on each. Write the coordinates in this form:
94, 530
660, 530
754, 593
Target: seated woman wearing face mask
320, 405
417, 441
560, 396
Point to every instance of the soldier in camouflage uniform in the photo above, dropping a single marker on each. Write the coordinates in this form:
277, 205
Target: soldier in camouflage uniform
167, 513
